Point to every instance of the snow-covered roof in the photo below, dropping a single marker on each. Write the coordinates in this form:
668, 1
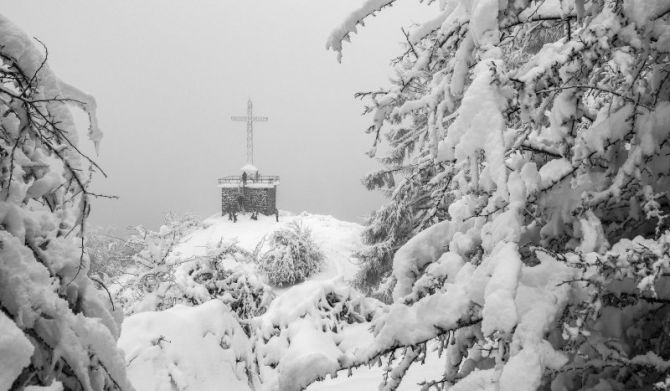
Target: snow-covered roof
249, 184
249, 168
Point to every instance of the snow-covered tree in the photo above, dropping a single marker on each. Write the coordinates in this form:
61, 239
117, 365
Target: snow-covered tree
55, 326
292, 257
527, 231
110, 255
148, 283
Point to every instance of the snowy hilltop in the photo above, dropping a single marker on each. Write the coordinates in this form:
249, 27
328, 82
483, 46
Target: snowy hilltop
196, 341
214, 319
337, 239
524, 244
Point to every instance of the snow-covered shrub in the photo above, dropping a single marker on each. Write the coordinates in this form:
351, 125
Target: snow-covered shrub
293, 255
527, 163
303, 334
163, 279
223, 276
55, 326
243, 292
110, 255
189, 348
149, 283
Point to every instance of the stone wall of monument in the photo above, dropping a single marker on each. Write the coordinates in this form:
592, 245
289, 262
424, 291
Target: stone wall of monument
249, 199
229, 199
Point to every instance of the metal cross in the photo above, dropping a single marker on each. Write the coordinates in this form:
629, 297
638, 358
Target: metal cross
250, 119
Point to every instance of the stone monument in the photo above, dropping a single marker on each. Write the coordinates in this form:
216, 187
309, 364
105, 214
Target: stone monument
249, 191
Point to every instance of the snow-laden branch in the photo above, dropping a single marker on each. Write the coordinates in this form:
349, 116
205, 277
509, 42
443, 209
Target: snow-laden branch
555, 138
350, 24
18, 47
45, 292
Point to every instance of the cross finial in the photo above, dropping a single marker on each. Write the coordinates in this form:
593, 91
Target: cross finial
250, 119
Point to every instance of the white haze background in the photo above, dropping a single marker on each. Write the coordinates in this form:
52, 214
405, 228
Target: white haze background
168, 75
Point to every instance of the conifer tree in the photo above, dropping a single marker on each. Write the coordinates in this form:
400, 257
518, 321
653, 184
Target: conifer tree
526, 234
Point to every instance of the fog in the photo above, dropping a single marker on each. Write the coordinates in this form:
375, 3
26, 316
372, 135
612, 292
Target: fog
168, 75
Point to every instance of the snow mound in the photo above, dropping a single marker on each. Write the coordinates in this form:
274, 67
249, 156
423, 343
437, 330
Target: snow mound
186, 348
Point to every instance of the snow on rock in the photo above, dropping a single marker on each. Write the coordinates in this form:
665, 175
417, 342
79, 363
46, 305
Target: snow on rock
16, 351
186, 348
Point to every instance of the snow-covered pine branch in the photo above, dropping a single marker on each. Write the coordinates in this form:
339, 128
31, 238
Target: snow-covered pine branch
350, 25
534, 202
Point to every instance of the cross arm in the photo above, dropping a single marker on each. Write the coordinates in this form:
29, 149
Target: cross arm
239, 118
259, 119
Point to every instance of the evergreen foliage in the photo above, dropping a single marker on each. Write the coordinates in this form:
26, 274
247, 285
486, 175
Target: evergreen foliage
293, 256
526, 230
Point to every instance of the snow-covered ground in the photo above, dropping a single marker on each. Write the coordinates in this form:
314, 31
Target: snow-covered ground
337, 239
365, 379
204, 348
183, 349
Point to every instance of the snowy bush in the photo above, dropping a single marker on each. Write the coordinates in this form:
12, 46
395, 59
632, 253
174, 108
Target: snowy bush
242, 292
161, 278
305, 330
293, 256
55, 326
189, 348
148, 284
110, 255
224, 277
528, 218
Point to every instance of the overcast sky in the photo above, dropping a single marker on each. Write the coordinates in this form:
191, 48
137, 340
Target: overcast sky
168, 75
